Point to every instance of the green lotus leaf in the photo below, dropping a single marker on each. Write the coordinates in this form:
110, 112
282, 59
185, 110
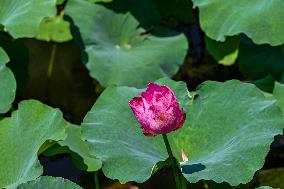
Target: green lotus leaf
212, 136
46, 182
115, 136
7, 83
59, 2
21, 136
120, 53
264, 187
261, 20
80, 147
278, 93
225, 53
258, 61
232, 126
265, 84
19, 58
54, 29
22, 18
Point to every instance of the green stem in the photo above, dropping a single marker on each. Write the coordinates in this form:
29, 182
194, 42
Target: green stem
50, 70
97, 183
176, 171
183, 183
51, 60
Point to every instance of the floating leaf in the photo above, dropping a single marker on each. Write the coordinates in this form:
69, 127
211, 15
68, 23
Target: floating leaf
232, 125
221, 18
7, 83
22, 18
77, 145
116, 137
212, 136
21, 136
54, 29
47, 182
118, 52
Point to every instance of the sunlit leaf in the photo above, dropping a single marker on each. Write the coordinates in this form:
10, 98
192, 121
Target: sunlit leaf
261, 20
22, 18
21, 136
7, 83
54, 29
120, 53
46, 182
212, 137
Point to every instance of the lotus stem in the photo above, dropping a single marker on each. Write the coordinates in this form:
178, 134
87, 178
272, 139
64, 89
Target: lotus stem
97, 183
180, 182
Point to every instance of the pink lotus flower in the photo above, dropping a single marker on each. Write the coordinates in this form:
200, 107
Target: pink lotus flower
157, 110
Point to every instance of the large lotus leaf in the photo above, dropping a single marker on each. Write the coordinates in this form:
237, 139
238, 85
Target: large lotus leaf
46, 182
261, 20
115, 136
7, 83
257, 61
212, 137
22, 18
118, 52
231, 128
264, 187
54, 29
21, 136
77, 145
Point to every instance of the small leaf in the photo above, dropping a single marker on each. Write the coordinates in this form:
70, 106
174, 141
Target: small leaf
54, 29
77, 145
22, 18
21, 136
7, 83
224, 53
47, 182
